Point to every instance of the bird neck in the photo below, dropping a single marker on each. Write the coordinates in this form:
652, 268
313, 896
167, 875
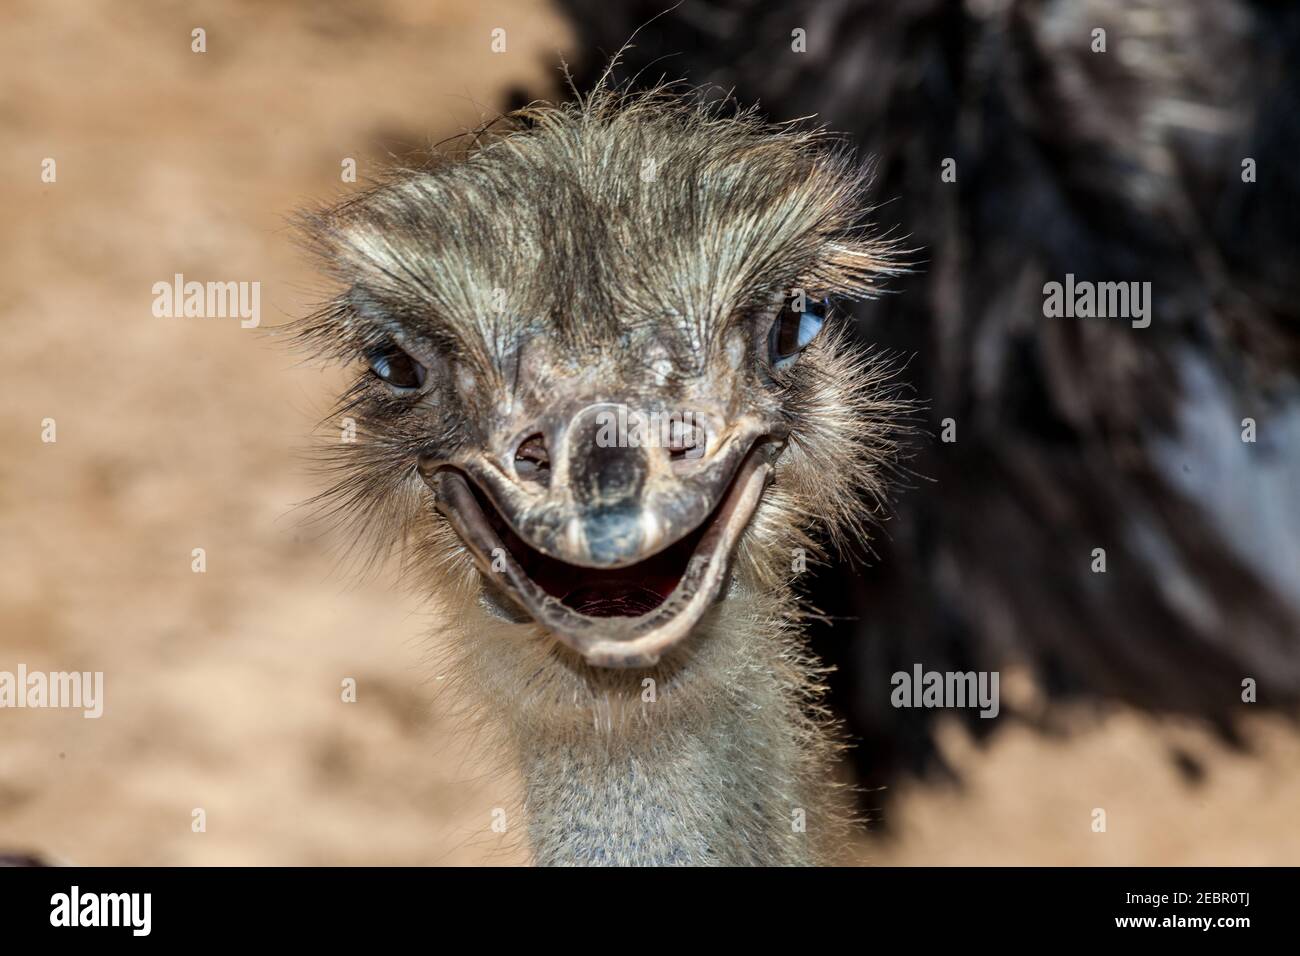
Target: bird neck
708, 759
725, 794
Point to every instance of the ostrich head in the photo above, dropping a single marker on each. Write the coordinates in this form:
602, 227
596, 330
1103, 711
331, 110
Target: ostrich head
604, 348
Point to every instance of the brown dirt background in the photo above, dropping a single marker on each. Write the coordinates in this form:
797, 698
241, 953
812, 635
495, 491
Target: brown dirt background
223, 688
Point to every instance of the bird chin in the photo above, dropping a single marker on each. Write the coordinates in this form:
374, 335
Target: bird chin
619, 617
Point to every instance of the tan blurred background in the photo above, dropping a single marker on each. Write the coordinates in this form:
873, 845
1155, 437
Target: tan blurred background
222, 688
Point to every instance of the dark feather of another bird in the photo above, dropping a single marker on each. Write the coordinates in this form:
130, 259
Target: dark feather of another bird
1072, 434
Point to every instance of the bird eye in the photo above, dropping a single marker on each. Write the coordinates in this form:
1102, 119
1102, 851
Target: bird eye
395, 367
794, 329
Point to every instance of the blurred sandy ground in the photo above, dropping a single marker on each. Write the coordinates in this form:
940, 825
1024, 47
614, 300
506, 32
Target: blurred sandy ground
223, 688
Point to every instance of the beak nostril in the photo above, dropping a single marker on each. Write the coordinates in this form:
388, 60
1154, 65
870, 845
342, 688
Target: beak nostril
686, 442
532, 460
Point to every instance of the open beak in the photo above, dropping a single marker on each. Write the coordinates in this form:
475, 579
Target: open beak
625, 611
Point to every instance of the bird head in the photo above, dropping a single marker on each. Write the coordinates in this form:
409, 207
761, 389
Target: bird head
603, 358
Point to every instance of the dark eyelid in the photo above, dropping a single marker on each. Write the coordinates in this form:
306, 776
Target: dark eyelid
377, 324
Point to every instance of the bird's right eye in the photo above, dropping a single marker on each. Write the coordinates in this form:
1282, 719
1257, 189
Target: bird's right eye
393, 366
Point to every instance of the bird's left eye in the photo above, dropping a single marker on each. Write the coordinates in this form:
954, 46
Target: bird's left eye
395, 367
794, 329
